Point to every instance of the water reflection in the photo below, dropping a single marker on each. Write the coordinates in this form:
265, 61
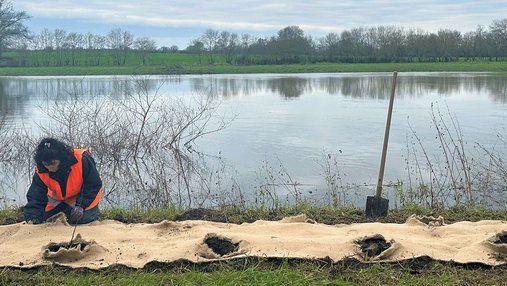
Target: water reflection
290, 87
16, 91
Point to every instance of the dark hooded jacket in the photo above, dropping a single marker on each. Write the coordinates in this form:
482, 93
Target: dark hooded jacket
37, 195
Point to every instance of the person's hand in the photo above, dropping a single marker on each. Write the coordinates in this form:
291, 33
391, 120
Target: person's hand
76, 213
34, 221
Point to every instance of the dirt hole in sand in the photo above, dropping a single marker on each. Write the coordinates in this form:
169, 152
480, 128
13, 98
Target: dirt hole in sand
65, 252
501, 238
374, 245
221, 246
55, 247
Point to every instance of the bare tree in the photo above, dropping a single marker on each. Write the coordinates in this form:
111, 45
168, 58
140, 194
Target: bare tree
44, 40
120, 42
59, 36
449, 44
73, 44
144, 46
93, 44
499, 33
415, 43
246, 41
210, 41
351, 43
11, 24
228, 44
389, 42
477, 43
196, 47
329, 45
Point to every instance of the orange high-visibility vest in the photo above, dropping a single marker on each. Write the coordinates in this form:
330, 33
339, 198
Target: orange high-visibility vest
74, 185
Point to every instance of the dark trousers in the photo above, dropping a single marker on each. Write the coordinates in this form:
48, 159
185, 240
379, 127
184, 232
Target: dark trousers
88, 216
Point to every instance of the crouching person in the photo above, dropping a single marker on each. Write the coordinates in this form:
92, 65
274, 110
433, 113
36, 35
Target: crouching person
65, 180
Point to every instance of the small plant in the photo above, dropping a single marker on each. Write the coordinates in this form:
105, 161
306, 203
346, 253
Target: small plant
455, 176
276, 184
333, 178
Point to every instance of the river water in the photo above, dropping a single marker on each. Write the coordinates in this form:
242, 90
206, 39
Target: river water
300, 121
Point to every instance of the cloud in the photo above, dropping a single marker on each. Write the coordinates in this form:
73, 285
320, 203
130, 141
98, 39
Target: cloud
254, 16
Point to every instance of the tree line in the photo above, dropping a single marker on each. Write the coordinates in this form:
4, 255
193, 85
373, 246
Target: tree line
290, 45
357, 45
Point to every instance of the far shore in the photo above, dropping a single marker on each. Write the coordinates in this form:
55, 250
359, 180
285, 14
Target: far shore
182, 69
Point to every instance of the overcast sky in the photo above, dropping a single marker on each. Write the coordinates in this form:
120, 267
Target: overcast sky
176, 22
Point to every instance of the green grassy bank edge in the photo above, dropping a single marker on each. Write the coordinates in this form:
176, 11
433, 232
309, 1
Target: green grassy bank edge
181, 69
324, 215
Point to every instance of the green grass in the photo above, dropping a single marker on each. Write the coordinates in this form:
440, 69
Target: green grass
104, 62
174, 67
263, 272
150, 215
324, 215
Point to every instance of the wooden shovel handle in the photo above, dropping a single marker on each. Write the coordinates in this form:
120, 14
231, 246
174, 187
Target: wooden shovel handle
386, 137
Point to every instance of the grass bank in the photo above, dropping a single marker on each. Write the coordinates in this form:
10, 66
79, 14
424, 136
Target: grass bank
319, 214
265, 272
188, 68
270, 271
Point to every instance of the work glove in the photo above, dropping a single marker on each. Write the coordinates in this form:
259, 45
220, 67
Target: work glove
76, 214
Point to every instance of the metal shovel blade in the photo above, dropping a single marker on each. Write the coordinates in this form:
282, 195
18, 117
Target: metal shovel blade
376, 206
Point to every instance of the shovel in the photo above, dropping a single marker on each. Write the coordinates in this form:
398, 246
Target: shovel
376, 205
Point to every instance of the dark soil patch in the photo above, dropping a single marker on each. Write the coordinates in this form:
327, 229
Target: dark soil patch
221, 246
501, 238
373, 246
416, 265
54, 247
